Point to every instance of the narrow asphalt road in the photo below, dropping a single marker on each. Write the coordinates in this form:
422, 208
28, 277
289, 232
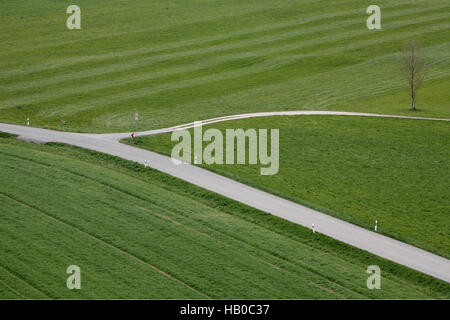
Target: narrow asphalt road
375, 243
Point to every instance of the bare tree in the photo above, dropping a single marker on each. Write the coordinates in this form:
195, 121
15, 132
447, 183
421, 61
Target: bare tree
412, 65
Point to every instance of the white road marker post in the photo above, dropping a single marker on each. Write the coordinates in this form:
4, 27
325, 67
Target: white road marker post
145, 163
376, 225
28, 122
313, 228
195, 160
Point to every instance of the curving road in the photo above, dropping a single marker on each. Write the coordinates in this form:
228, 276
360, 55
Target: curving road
118, 136
375, 243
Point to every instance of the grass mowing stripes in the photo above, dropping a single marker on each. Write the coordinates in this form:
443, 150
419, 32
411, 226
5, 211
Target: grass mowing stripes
99, 212
208, 62
241, 44
17, 288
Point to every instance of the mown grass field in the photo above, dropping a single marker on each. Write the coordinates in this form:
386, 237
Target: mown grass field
355, 168
180, 61
138, 233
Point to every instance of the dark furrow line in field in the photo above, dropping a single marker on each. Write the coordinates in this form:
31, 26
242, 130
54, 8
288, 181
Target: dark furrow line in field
37, 163
271, 254
62, 221
34, 161
257, 258
102, 183
296, 263
11, 272
286, 260
62, 169
13, 290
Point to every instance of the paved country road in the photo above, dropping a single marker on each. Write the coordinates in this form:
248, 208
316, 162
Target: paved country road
375, 243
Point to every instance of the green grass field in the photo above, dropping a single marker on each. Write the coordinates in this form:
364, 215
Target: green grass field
180, 61
138, 233
357, 169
